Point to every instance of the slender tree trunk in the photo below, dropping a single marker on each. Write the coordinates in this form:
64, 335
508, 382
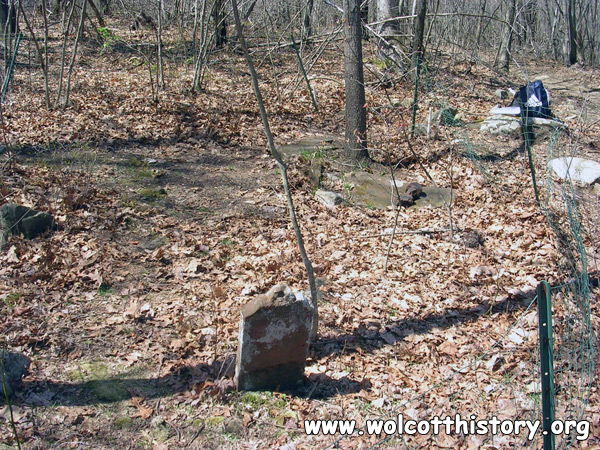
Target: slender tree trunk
47, 89
8, 22
195, 28
571, 33
202, 50
307, 25
507, 36
97, 13
480, 24
286, 187
63, 58
418, 49
386, 9
160, 77
72, 65
220, 24
356, 114
40, 54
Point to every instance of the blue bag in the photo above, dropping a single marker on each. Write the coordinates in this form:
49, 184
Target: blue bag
534, 100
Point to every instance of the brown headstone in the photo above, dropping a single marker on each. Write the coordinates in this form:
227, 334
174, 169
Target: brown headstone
273, 340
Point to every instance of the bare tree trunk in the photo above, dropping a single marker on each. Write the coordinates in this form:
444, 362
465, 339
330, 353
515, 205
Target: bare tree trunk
386, 10
8, 22
77, 38
277, 156
40, 54
571, 33
202, 50
307, 23
47, 89
96, 12
63, 57
220, 24
356, 114
507, 35
480, 24
160, 78
418, 49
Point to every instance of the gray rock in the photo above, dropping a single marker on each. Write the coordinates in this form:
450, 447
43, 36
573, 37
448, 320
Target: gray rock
404, 200
414, 190
511, 125
577, 169
408, 102
273, 340
329, 198
502, 94
17, 219
233, 425
12, 367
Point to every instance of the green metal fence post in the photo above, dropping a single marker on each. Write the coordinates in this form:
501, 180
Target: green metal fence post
547, 364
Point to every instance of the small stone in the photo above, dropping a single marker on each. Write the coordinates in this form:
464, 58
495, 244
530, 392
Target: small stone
13, 366
123, 423
404, 200
502, 94
152, 243
415, 190
329, 198
408, 102
233, 425
273, 340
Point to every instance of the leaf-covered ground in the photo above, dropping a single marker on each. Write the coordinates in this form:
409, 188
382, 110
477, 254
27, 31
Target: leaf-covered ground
171, 216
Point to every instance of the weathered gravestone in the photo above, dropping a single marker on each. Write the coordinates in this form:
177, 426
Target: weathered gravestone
273, 341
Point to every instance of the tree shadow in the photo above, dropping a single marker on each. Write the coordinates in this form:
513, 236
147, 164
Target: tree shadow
396, 331
220, 372
188, 378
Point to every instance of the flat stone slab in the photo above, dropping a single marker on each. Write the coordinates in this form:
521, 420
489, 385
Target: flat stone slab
577, 169
273, 340
308, 144
511, 125
375, 191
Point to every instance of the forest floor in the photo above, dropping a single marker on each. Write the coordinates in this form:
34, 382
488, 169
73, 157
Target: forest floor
171, 215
